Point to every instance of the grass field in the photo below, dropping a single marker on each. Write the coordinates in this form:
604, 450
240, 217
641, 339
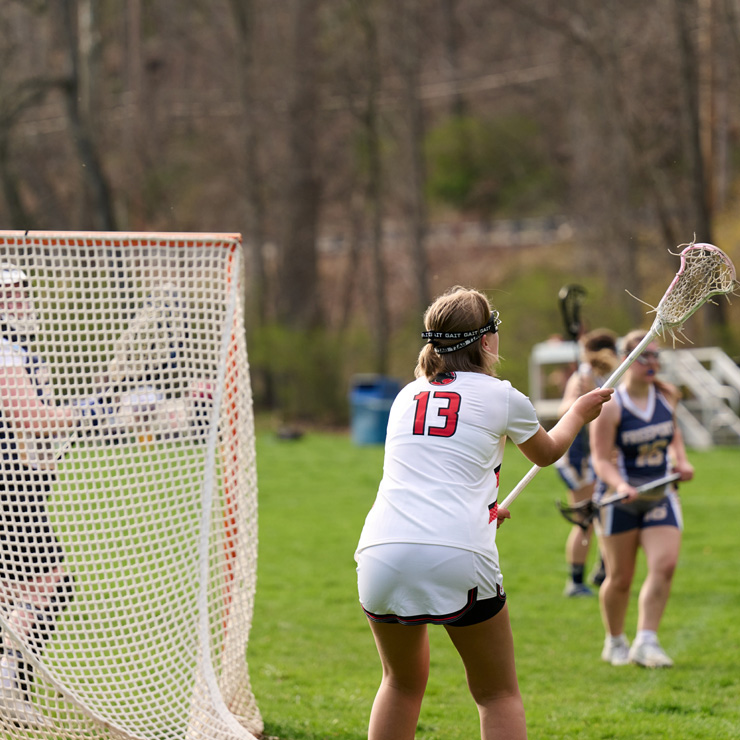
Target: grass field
313, 664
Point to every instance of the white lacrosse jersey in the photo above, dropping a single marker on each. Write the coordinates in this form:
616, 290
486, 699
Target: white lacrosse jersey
443, 455
32, 450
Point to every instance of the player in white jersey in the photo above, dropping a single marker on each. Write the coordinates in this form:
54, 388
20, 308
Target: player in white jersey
427, 553
633, 442
35, 585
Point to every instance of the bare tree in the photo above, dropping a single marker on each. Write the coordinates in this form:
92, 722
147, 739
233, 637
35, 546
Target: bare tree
451, 25
298, 298
689, 66
245, 16
77, 96
13, 102
411, 55
371, 129
698, 100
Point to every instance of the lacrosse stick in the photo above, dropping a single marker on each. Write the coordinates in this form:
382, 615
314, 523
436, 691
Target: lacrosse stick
151, 341
571, 298
705, 271
146, 348
584, 512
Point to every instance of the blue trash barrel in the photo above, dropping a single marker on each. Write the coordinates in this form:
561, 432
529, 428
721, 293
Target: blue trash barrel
371, 397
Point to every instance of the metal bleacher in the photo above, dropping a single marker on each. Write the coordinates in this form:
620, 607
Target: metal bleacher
709, 380
709, 413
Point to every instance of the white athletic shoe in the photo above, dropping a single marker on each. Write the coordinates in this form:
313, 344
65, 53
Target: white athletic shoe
616, 650
14, 704
650, 655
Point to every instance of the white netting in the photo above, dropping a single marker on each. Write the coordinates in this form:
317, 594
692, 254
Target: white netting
705, 271
128, 536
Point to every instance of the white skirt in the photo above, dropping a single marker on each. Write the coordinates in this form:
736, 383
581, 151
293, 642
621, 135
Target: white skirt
424, 583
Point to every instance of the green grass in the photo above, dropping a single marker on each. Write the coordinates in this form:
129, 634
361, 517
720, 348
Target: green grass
313, 664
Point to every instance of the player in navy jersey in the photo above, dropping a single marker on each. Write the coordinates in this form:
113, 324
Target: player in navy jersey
427, 553
635, 441
599, 360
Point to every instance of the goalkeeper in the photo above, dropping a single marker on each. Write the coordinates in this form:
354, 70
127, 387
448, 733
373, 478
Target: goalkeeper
35, 585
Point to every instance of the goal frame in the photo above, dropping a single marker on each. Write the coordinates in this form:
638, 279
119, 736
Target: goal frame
222, 706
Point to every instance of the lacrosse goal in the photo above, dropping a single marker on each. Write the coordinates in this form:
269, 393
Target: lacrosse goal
136, 625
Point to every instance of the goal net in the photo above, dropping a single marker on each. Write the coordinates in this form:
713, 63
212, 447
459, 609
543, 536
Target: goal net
128, 520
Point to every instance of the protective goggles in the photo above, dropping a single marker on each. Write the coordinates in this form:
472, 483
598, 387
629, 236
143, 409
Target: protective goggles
466, 337
648, 355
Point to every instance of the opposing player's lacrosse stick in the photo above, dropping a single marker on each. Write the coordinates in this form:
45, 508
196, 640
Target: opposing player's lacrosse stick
146, 349
584, 512
571, 297
705, 271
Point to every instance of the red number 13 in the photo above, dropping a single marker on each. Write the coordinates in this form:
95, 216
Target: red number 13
449, 413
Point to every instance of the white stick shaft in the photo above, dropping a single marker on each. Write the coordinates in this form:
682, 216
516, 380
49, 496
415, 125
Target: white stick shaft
657, 483
76, 431
523, 483
611, 381
616, 376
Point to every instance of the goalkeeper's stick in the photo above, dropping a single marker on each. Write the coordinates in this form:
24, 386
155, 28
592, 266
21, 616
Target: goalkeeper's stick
151, 340
584, 512
705, 271
146, 347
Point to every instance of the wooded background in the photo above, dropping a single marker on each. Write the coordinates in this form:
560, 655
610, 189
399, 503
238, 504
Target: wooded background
374, 152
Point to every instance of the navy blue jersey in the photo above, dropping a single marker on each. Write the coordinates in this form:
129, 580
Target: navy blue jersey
642, 440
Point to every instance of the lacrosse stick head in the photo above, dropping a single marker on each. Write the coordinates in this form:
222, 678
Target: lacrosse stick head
149, 346
571, 297
582, 513
705, 271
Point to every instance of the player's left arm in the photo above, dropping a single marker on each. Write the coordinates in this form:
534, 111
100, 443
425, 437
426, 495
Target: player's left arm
27, 410
677, 457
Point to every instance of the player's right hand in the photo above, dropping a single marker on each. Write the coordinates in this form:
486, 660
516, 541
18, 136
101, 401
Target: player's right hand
94, 407
629, 492
590, 404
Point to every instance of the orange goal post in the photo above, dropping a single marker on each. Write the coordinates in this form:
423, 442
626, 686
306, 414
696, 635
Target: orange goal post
127, 439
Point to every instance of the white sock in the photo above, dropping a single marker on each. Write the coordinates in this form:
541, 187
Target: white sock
649, 636
616, 639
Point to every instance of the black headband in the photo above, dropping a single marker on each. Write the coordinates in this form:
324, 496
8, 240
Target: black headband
467, 337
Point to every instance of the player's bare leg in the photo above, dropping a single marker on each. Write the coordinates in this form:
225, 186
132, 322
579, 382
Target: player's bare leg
487, 651
661, 546
620, 551
32, 597
404, 656
577, 546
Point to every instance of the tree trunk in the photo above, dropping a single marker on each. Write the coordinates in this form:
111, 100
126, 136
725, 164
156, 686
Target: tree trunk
299, 305
244, 12
18, 218
75, 96
451, 25
411, 63
713, 314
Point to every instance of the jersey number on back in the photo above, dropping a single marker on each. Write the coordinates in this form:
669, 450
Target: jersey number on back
447, 414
